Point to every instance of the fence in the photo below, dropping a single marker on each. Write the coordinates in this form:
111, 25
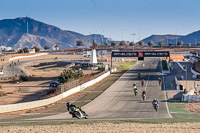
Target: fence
39, 103
69, 85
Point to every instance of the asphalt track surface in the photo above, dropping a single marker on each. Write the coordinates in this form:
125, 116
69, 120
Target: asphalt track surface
17, 68
119, 102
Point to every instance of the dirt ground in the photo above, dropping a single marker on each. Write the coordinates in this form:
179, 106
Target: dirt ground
43, 72
106, 128
193, 107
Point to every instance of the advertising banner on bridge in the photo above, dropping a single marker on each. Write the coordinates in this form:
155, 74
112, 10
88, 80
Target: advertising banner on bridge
124, 54
141, 54
157, 54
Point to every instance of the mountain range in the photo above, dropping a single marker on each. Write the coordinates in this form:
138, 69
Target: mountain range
192, 38
14, 33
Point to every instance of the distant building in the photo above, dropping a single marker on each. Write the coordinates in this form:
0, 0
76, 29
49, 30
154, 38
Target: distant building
55, 47
4, 48
32, 50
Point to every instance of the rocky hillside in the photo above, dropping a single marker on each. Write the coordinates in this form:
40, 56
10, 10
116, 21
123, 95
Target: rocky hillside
13, 33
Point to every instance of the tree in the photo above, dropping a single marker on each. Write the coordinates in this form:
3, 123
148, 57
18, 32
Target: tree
189, 45
180, 44
141, 43
56, 47
94, 45
122, 43
113, 43
170, 45
131, 44
150, 44
79, 43
36, 49
198, 45
20, 51
106, 44
26, 50
161, 44
46, 47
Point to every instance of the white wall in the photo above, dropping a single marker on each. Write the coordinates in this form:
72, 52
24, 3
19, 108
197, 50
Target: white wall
39, 103
29, 56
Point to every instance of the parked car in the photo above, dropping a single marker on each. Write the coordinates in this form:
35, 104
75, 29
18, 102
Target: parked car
54, 84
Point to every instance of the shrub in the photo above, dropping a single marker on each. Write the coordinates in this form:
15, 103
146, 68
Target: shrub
69, 74
23, 77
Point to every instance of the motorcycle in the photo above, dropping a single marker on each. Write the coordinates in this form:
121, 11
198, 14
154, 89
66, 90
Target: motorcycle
139, 75
143, 96
79, 113
136, 91
155, 105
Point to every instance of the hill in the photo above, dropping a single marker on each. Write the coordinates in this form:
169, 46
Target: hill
13, 33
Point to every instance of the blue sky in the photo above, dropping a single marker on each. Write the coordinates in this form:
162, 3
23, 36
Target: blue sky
117, 19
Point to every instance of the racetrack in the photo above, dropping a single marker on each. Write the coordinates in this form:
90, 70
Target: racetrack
119, 102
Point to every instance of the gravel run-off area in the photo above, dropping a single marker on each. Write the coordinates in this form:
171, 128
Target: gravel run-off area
106, 128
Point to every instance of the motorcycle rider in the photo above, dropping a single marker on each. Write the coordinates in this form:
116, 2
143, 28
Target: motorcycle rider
135, 89
139, 75
160, 81
143, 94
71, 108
155, 102
142, 82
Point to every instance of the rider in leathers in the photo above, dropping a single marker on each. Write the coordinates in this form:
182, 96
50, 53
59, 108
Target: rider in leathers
71, 108
155, 101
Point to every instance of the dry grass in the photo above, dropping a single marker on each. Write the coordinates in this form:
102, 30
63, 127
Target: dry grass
106, 128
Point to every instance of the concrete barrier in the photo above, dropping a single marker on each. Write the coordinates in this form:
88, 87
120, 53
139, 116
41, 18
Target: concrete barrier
177, 83
44, 102
29, 56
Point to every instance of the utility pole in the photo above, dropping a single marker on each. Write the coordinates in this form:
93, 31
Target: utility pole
176, 36
27, 27
139, 34
122, 34
133, 34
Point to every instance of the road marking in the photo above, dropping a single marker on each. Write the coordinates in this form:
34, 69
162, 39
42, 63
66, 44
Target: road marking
181, 112
147, 79
163, 79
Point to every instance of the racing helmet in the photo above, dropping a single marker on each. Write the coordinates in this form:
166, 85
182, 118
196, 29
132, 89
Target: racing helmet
68, 104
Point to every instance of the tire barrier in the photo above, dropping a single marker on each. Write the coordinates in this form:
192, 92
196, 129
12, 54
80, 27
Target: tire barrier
190, 98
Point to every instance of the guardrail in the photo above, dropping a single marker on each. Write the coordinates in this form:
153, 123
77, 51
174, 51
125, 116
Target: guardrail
44, 102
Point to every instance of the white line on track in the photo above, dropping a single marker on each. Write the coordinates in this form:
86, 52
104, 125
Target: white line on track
163, 79
147, 80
